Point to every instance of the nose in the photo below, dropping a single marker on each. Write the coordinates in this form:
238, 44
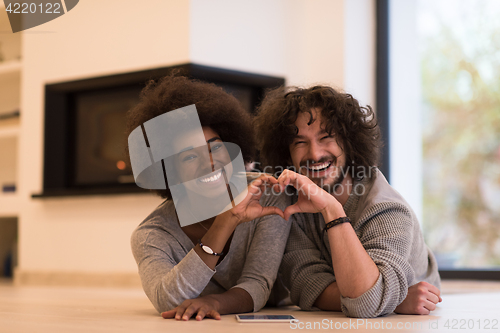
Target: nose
208, 158
315, 152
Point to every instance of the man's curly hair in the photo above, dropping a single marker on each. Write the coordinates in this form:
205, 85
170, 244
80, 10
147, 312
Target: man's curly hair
354, 126
216, 109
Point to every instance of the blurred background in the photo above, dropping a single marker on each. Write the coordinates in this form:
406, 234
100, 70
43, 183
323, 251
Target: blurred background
459, 51
429, 68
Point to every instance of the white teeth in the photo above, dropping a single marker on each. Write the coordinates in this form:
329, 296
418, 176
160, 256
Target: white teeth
212, 178
320, 166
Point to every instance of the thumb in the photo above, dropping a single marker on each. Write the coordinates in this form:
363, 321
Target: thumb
290, 210
168, 314
271, 210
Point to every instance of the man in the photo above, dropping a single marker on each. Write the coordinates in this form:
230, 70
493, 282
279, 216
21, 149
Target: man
369, 258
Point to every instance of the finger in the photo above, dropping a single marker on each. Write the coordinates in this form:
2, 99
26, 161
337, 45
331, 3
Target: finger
271, 210
429, 305
265, 179
169, 314
437, 296
271, 179
255, 184
290, 210
255, 189
189, 312
257, 194
289, 180
276, 188
259, 185
214, 314
286, 178
281, 180
180, 311
423, 311
433, 289
432, 297
254, 192
201, 314
297, 179
266, 186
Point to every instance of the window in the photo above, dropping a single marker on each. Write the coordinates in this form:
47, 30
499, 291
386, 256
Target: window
444, 115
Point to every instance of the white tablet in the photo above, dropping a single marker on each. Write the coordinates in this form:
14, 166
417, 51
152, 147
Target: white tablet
260, 318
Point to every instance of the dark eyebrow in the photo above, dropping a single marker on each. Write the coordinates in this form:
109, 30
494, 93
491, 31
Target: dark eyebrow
324, 132
191, 147
215, 138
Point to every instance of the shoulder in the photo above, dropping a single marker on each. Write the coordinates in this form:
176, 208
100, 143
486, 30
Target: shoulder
376, 190
163, 217
381, 202
158, 227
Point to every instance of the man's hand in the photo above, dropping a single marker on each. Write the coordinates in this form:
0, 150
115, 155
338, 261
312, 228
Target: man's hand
311, 197
250, 208
203, 307
421, 299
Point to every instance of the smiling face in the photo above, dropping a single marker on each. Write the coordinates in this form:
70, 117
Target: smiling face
316, 153
200, 168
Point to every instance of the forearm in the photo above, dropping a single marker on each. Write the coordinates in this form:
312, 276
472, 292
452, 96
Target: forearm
216, 238
167, 287
355, 271
329, 299
304, 271
235, 300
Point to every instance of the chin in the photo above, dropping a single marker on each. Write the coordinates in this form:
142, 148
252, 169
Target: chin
321, 182
328, 185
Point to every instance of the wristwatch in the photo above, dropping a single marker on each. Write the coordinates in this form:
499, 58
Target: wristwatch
208, 249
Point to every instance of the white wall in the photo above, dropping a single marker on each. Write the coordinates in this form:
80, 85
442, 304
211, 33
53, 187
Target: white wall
88, 234
240, 35
315, 51
359, 51
301, 40
405, 123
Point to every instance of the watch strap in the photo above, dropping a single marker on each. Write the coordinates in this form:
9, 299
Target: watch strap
208, 250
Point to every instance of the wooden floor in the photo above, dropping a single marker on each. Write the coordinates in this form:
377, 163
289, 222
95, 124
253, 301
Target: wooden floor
466, 307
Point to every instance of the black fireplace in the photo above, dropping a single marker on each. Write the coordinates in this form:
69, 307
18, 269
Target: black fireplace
85, 150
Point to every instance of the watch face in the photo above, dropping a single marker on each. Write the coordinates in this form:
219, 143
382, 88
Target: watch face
207, 249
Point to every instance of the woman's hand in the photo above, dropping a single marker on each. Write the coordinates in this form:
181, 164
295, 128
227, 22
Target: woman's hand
421, 299
250, 208
203, 307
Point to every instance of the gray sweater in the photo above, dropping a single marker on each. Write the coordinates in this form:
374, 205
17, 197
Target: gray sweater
390, 233
171, 271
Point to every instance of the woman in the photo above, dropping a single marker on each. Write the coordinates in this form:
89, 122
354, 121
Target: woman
190, 261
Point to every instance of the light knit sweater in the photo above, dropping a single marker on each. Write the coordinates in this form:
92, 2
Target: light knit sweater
390, 233
172, 272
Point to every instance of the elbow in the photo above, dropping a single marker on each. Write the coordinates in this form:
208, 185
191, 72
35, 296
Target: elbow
356, 288
163, 302
368, 312
375, 302
355, 291
366, 307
